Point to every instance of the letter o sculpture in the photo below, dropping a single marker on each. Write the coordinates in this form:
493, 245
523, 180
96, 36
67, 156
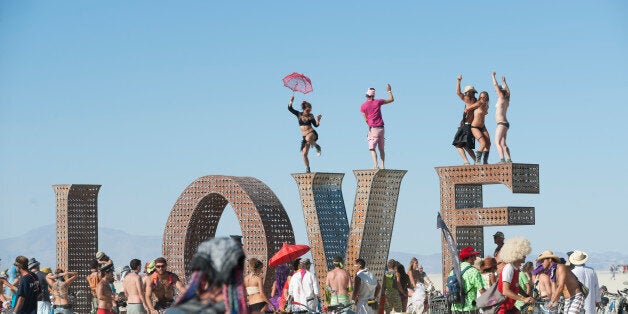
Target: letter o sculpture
194, 218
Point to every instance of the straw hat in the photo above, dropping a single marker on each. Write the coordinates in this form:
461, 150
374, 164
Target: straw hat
469, 88
578, 257
548, 254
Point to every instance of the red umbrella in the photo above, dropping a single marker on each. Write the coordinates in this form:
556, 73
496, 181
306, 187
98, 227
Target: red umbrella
287, 253
298, 82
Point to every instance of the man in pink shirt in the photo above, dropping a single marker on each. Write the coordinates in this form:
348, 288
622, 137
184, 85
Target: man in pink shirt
371, 109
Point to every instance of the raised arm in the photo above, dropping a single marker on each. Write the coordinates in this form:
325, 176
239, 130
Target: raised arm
70, 276
498, 90
318, 120
390, 95
458, 91
505, 84
294, 111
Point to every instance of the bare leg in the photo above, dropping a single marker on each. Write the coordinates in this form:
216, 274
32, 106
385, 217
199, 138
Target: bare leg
374, 156
505, 146
382, 155
306, 161
487, 139
470, 152
463, 155
500, 133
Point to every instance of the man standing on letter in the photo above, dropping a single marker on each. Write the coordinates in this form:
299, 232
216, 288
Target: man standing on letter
371, 109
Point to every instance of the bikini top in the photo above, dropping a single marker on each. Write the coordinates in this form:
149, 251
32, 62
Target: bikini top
252, 290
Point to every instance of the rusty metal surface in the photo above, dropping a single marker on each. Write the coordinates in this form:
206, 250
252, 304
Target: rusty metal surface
194, 218
77, 235
373, 217
371, 223
462, 202
325, 218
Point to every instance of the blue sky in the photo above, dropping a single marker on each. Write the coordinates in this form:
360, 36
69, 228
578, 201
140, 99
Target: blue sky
144, 97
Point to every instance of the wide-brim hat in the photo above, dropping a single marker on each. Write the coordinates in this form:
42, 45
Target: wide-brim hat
100, 254
548, 254
32, 263
106, 268
469, 88
578, 257
467, 252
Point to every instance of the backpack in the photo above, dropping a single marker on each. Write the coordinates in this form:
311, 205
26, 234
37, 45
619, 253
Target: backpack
455, 293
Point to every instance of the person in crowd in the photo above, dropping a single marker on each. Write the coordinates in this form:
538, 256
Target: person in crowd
337, 283
28, 288
417, 275
501, 108
566, 284
488, 267
306, 123
464, 140
304, 287
525, 284
588, 277
254, 284
294, 268
43, 299
472, 282
134, 289
513, 254
92, 281
59, 283
162, 285
372, 112
217, 280
365, 288
406, 286
392, 288
276, 292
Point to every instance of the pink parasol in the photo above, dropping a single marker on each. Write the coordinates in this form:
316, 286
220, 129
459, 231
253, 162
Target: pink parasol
298, 83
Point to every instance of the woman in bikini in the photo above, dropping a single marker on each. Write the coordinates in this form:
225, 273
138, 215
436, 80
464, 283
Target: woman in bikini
501, 108
256, 299
310, 136
478, 128
58, 283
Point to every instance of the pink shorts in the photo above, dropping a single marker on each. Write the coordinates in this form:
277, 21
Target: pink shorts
376, 138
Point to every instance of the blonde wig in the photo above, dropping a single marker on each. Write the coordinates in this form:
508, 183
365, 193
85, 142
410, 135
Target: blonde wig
514, 249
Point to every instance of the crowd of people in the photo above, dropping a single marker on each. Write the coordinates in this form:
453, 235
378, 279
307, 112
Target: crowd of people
548, 280
223, 281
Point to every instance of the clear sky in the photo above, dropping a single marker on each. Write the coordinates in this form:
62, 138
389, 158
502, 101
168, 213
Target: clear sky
143, 97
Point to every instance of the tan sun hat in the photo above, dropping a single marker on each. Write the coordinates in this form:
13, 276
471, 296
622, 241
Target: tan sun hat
548, 254
469, 88
578, 257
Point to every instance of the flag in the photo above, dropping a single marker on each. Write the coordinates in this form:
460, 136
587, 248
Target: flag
451, 246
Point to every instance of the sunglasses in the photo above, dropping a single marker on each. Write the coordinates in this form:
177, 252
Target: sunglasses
160, 266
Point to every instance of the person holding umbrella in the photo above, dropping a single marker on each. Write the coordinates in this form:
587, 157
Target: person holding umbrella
310, 136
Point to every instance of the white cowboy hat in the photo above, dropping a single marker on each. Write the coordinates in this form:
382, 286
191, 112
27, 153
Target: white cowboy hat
578, 257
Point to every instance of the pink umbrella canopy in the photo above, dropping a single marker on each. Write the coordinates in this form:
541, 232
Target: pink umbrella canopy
287, 253
298, 83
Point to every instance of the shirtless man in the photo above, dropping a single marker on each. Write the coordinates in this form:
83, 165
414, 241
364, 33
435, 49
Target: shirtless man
58, 283
92, 281
338, 281
501, 108
463, 140
480, 110
162, 284
566, 283
133, 289
103, 290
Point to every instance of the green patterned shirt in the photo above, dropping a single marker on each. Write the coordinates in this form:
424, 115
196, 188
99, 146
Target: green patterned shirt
472, 282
